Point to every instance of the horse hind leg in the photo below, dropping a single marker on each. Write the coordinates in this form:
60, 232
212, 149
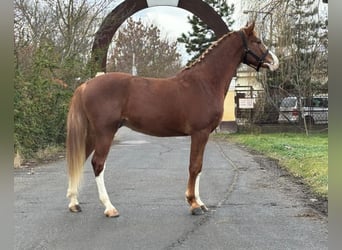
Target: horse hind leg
102, 146
74, 205
72, 192
110, 210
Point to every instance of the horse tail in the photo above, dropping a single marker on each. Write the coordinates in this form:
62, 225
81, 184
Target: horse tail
77, 126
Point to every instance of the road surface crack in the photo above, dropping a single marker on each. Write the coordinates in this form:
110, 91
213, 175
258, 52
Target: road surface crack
204, 219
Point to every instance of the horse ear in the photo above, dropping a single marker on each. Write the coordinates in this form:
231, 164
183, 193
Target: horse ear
250, 28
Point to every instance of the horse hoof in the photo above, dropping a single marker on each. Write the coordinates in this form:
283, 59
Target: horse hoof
112, 213
75, 209
197, 211
204, 208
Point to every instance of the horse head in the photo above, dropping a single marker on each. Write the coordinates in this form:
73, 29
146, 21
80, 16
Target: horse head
256, 54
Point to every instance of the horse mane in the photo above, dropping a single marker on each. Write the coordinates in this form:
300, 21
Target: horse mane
207, 51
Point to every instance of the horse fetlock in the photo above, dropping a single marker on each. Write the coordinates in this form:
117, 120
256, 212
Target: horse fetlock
74, 204
104, 199
71, 193
190, 198
195, 207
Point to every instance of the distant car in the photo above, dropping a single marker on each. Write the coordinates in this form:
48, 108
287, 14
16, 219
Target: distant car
313, 110
289, 110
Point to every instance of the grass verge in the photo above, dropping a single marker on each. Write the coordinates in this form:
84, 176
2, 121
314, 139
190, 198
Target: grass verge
303, 156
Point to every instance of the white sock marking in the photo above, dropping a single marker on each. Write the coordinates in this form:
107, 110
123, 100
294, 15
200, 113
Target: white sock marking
103, 195
72, 195
197, 196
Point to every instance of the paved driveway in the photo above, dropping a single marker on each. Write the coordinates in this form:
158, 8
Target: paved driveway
253, 205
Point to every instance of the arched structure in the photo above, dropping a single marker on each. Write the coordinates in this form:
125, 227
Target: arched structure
112, 22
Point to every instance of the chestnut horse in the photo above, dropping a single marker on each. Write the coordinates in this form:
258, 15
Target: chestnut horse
187, 104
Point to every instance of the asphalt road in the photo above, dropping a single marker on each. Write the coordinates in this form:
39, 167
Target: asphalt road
252, 204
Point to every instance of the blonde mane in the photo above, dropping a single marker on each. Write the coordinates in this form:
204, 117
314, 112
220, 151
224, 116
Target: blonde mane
207, 51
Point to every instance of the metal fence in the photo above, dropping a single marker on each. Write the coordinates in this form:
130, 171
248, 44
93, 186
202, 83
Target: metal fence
274, 107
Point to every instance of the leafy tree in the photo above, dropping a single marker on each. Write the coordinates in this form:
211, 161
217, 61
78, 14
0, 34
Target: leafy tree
40, 106
154, 56
201, 36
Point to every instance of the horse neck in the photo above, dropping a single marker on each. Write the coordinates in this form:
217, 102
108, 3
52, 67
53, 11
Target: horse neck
218, 65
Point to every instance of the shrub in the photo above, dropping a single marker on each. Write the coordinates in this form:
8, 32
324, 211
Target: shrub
40, 109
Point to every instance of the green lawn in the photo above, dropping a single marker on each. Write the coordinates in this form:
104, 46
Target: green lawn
304, 156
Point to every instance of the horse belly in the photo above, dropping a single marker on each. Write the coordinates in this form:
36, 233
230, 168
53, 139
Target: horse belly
156, 126
155, 119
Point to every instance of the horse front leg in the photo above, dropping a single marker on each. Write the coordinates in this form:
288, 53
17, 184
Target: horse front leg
198, 143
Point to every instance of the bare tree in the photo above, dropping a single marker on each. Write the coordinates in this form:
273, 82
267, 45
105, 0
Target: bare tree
299, 36
297, 30
52, 42
154, 55
66, 27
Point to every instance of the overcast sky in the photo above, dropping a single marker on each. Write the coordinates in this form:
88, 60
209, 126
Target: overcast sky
171, 21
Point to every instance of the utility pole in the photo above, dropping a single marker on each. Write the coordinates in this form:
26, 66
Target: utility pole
134, 68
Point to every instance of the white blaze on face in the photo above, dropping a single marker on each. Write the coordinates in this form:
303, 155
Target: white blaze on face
275, 63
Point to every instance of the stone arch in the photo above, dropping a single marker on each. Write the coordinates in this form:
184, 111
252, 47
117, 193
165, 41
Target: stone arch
114, 19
